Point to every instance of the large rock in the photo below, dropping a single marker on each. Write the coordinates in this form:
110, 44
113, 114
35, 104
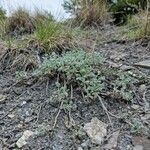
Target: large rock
96, 130
143, 64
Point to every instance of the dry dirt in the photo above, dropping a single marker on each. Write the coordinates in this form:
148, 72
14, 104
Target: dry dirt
33, 105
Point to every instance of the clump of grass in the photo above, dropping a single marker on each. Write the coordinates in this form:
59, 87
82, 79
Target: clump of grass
20, 22
139, 26
2, 22
2, 14
52, 36
41, 16
87, 12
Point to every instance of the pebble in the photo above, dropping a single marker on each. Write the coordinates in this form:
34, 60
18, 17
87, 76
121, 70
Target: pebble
135, 107
23, 140
2, 97
126, 68
138, 147
96, 130
85, 144
23, 103
80, 148
11, 116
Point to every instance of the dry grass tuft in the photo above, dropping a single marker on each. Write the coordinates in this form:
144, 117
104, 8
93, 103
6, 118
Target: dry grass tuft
20, 22
86, 12
41, 16
94, 12
52, 36
19, 59
139, 26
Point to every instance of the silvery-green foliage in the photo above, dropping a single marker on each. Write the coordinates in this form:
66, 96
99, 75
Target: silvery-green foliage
76, 66
123, 85
88, 72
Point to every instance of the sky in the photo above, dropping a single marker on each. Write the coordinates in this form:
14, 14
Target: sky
54, 6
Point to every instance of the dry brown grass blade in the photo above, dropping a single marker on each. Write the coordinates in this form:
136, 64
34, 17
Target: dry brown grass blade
147, 18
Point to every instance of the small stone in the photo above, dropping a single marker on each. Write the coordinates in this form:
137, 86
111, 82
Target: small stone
20, 126
135, 107
2, 97
96, 148
118, 56
27, 113
112, 142
11, 115
143, 64
126, 68
28, 119
80, 148
113, 65
27, 98
146, 117
142, 89
138, 147
85, 144
96, 130
23, 103
23, 140
141, 143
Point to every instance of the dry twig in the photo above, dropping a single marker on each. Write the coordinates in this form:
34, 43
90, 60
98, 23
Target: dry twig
59, 111
105, 109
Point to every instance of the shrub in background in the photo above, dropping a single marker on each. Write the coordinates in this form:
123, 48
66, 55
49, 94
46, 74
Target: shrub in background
20, 22
122, 9
2, 22
87, 12
139, 26
2, 14
41, 16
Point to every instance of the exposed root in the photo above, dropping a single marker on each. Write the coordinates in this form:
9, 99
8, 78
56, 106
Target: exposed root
105, 109
59, 111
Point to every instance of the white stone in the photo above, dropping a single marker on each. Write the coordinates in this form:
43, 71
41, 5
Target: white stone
138, 147
23, 140
80, 148
11, 115
96, 130
2, 97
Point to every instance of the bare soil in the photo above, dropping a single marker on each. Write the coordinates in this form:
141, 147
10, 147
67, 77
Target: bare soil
33, 105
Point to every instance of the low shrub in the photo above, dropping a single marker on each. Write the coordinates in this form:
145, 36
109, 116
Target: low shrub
75, 67
87, 73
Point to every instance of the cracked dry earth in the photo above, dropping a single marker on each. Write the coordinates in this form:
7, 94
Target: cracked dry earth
31, 108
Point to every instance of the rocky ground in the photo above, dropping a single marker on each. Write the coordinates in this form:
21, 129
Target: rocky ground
29, 110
